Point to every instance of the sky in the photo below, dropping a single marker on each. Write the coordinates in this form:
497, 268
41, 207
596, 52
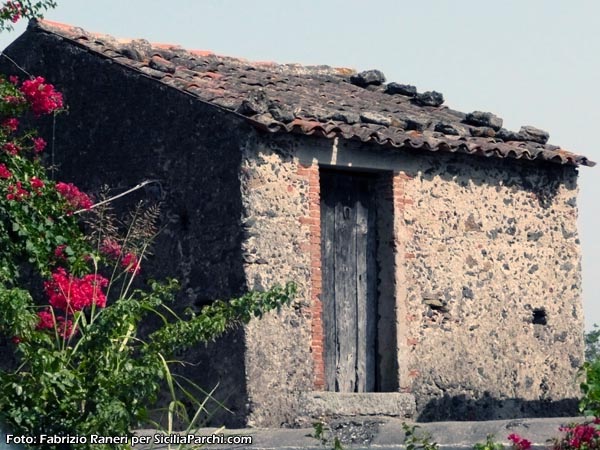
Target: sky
531, 62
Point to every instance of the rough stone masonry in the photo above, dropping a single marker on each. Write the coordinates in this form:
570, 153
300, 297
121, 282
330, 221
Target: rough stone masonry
483, 284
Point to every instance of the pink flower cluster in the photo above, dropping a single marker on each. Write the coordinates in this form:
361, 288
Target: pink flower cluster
11, 148
71, 294
130, 263
11, 124
14, 10
44, 99
59, 252
519, 443
4, 172
36, 185
583, 435
48, 321
39, 144
113, 249
17, 192
76, 199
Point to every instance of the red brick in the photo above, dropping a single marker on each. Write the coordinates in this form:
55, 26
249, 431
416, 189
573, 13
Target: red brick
314, 244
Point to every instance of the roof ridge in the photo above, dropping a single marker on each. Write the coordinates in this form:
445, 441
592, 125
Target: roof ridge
67, 29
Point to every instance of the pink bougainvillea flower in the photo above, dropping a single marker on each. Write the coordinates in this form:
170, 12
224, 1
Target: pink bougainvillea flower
39, 144
111, 248
42, 97
519, 443
131, 263
59, 252
70, 293
14, 79
90, 286
11, 148
582, 434
47, 321
65, 327
36, 185
4, 172
16, 192
10, 124
76, 199
14, 10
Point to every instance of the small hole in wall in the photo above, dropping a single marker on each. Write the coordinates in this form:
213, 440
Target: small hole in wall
184, 219
539, 316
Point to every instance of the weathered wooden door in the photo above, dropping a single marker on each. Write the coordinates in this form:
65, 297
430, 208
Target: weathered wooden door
349, 271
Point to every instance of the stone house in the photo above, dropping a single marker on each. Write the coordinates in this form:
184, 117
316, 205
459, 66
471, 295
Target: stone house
436, 253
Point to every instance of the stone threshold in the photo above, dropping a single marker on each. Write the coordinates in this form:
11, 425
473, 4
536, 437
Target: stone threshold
324, 404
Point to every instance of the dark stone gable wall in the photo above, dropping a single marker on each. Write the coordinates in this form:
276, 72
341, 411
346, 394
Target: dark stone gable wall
123, 128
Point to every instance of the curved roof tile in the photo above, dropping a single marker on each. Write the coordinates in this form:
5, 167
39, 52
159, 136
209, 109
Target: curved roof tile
320, 100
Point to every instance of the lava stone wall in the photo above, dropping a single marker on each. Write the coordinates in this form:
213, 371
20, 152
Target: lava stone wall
123, 128
279, 207
494, 315
486, 278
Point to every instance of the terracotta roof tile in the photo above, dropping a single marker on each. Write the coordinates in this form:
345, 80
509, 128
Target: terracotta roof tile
321, 100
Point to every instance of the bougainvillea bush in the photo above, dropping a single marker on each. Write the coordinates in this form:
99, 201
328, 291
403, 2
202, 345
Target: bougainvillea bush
81, 368
575, 436
582, 436
13, 11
